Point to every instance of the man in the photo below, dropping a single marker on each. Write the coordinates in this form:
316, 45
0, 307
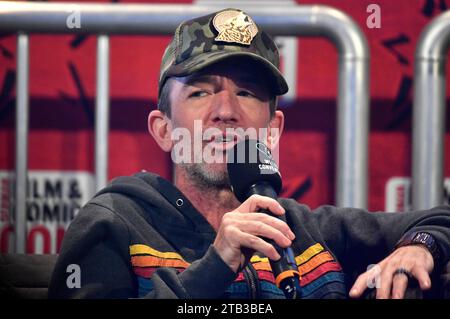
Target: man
145, 237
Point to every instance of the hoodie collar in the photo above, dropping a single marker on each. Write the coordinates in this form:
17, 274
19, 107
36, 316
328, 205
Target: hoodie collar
178, 200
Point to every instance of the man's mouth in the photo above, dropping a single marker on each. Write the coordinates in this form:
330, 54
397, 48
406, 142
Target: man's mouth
224, 139
223, 142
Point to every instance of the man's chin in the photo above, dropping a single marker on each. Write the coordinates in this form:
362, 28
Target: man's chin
208, 174
216, 172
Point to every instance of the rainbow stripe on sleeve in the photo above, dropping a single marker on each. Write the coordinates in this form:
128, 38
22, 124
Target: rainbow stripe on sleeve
321, 273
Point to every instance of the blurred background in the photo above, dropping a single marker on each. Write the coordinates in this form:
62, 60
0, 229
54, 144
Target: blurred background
62, 86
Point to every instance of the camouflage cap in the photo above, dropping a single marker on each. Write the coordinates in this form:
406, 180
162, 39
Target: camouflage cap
221, 35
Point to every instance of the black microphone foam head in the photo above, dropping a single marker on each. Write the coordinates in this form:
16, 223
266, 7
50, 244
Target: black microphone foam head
250, 162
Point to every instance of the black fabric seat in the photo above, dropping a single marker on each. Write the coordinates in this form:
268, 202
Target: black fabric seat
25, 276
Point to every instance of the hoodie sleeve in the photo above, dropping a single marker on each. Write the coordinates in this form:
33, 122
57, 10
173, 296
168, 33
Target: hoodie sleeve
97, 241
205, 278
360, 238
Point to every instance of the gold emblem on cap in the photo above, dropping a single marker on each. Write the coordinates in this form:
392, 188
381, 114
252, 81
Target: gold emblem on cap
234, 27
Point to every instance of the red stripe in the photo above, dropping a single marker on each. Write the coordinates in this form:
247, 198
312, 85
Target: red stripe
262, 274
240, 277
320, 271
266, 275
144, 272
148, 272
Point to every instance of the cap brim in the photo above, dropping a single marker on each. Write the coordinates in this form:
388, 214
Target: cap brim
199, 62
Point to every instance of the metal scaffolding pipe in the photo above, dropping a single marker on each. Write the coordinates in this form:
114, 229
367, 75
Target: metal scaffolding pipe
319, 21
22, 97
429, 113
102, 113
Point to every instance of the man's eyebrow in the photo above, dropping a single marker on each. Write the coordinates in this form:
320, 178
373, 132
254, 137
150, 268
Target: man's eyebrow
243, 79
249, 79
198, 78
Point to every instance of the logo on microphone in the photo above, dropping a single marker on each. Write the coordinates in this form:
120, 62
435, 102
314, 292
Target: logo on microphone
268, 165
263, 148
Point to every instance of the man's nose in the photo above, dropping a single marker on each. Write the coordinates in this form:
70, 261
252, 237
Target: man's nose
225, 107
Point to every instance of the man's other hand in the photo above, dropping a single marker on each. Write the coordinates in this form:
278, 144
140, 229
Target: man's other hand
394, 272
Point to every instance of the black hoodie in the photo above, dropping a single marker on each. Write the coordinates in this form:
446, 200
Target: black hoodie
141, 237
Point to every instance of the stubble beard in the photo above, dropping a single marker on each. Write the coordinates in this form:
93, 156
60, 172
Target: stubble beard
206, 177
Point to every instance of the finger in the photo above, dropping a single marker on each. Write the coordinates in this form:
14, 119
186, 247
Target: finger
359, 286
268, 220
260, 245
237, 219
261, 229
257, 202
384, 292
369, 279
399, 285
423, 277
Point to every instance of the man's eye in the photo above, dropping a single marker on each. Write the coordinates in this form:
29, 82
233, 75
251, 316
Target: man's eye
245, 94
198, 94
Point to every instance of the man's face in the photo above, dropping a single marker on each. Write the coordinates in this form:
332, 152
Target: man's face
218, 100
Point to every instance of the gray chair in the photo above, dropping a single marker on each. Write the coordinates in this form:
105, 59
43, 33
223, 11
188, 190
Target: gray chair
25, 276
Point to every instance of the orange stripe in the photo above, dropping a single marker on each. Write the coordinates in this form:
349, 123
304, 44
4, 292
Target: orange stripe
150, 261
262, 266
315, 262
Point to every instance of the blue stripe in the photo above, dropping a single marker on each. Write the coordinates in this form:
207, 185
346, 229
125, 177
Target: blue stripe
240, 290
330, 283
321, 281
145, 286
270, 290
332, 290
237, 290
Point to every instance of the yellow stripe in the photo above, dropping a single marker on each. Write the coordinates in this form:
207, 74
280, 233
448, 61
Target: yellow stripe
143, 249
307, 254
300, 259
257, 259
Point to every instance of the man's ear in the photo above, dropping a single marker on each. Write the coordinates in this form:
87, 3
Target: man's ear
276, 126
160, 127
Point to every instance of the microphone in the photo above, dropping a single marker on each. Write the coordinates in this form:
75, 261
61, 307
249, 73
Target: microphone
251, 171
